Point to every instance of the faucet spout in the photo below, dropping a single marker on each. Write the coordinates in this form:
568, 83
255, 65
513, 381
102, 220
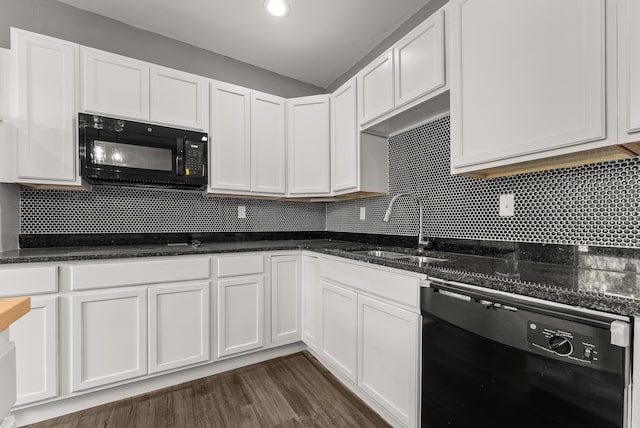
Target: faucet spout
387, 216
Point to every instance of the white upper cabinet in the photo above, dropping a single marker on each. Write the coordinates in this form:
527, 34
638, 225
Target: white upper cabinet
375, 83
46, 72
629, 70
114, 85
268, 141
419, 60
411, 72
178, 98
345, 144
309, 146
230, 138
247, 141
529, 80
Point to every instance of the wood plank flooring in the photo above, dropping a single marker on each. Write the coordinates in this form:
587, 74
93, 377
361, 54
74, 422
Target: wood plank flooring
290, 391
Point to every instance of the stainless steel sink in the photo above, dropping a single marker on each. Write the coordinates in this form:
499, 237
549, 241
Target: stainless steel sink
401, 257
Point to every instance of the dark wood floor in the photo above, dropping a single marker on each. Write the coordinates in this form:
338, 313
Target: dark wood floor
291, 391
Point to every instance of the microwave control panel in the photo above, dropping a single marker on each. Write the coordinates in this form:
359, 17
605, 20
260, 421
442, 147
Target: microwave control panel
194, 159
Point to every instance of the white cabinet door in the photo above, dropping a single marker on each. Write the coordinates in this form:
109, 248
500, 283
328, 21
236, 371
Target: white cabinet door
309, 145
629, 70
310, 302
345, 143
375, 88
114, 85
388, 357
419, 60
339, 321
46, 91
36, 339
230, 138
240, 315
108, 337
285, 299
178, 99
528, 76
178, 325
267, 144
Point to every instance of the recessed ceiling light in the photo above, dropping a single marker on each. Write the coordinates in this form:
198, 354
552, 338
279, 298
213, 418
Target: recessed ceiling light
278, 8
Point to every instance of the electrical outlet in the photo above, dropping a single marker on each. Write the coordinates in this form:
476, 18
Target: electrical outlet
242, 211
363, 213
507, 205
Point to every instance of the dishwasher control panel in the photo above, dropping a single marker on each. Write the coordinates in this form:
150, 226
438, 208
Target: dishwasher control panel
563, 343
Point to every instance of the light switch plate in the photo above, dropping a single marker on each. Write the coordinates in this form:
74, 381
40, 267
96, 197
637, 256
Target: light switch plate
507, 205
363, 213
242, 211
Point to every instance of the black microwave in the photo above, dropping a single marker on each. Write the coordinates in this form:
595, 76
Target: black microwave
116, 151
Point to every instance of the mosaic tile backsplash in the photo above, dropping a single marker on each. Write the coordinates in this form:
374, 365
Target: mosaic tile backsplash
114, 209
595, 204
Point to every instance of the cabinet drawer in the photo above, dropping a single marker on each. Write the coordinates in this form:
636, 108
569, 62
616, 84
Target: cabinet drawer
138, 272
394, 286
240, 265
20, 281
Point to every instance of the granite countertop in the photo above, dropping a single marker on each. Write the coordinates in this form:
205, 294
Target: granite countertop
609, 284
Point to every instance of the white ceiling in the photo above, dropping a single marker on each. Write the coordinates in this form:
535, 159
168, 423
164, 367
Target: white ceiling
318, 42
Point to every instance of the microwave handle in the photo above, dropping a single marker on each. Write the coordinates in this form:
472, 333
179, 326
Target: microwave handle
180, 157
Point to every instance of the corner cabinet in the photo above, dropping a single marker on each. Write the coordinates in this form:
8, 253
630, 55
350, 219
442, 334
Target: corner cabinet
46, 76
532, 94
309, 146
359, 162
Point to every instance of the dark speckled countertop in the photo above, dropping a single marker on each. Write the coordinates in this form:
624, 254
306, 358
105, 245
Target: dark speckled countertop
607, 283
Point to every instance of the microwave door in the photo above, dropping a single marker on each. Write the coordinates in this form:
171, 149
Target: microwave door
121, 156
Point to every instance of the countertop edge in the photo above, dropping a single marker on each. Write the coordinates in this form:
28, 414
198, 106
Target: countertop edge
12, 308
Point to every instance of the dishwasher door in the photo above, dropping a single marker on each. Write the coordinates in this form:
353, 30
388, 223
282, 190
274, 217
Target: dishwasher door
488, 364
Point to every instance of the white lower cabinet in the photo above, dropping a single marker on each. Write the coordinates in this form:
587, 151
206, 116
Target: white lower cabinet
36, 339
286, 319
310, 302
178, 326
388, 349
339, 328
240, 315
108, 337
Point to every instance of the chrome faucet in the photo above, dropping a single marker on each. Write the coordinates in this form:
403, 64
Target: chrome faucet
387, 216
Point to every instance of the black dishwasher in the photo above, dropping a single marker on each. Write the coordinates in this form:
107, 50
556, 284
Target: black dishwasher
495, 360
